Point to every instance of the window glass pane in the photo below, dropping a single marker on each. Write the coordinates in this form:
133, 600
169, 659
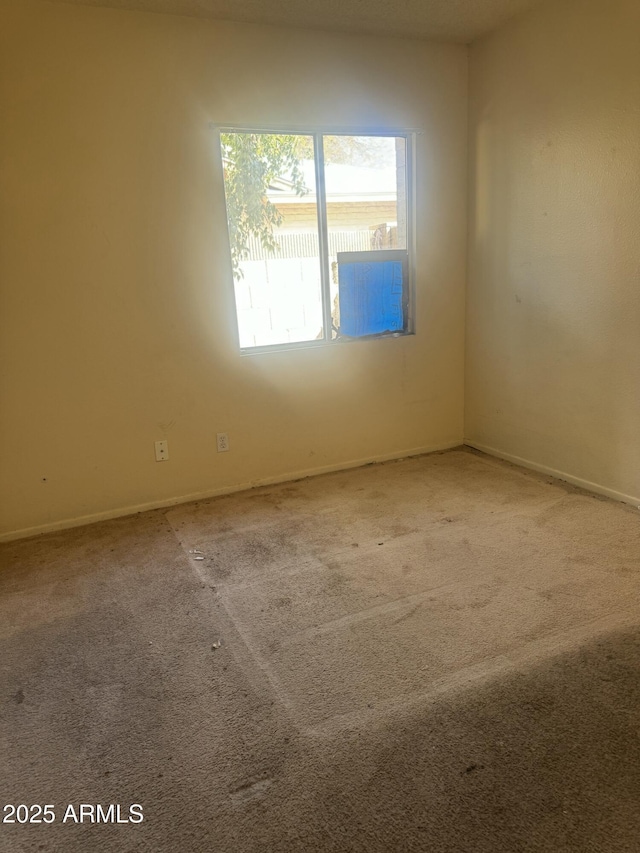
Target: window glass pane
272, 214
366, 180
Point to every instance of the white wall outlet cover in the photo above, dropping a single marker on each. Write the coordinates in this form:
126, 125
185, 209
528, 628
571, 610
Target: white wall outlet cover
162, 450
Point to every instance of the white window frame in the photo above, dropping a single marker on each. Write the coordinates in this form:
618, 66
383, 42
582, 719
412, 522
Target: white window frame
325, 275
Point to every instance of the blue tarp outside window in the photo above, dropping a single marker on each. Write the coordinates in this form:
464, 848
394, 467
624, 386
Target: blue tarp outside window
372, 290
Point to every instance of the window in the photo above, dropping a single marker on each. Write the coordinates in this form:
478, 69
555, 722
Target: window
319, 229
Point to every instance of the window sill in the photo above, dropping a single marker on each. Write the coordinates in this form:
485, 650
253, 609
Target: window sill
298, 345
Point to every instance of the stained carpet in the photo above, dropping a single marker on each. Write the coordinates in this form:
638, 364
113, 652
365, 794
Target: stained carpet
436, 654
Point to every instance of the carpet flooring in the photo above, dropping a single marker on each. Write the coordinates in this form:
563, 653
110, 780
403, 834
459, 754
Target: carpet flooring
435, 654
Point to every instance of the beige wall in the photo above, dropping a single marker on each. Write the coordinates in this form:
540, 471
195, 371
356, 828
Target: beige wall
117, 307
553, 312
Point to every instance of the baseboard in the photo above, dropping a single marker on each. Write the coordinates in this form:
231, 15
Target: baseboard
554, 472
81, 521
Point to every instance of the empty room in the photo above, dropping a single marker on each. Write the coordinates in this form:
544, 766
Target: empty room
319, 426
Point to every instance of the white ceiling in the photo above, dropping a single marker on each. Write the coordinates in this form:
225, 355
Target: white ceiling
444, 20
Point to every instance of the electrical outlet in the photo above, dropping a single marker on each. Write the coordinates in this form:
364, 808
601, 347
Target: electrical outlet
162, 451
222, 440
